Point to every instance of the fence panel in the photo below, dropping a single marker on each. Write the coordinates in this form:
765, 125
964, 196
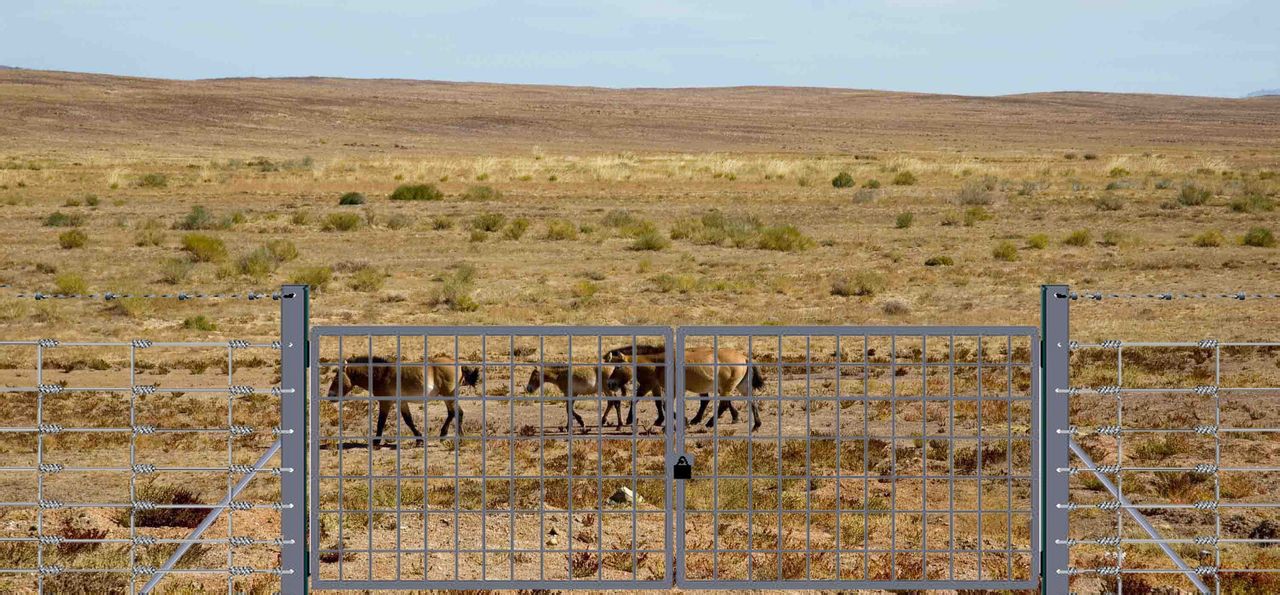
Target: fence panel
136, 465
513, 485
880, 457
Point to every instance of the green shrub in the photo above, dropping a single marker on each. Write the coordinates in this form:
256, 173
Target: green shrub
1112, 237
895, 308
282, 250
842, 180
1109, 202
488, 221
1090, 156
1079, 237
167, 495
618, 219
72, 239
863, 283
440, 223
1118, 172
417, 192
341, 222
351, 198
199, 218
737, 229
1209, 239
1253, 203
871, 184
1192, 195
175, 270
668, 283
367, 279
784, 238
904, 178
257, 264
935, 261
199, 323
1005, 251
481, 193
904, 220
1259, 237
515, 230
478, 235
584, 293
561, 229
60, 219
153, 180
455, 289
1037, 241
399, 221
686, 229
317, 277
70, 284
949, 219
204, 248
149, 234
973, 215
92, 200
650, 240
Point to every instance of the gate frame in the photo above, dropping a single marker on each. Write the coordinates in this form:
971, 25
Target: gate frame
1035, 366
313, 501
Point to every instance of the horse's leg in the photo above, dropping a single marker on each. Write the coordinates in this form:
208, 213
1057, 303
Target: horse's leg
383, 408
457, 407
571, 416
702, 408
608, 405
408, 420
662, 408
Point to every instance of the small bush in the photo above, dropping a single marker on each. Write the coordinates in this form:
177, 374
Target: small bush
149, 234
1109, 202
164, 517
904, 220
561, 229
341, 222
650, 240
1254, 203
668, 283
175, 270
939, 261
1079, 237
949, 219
282, 250
1112, 237
1192, 195
199, 218
1005, 251
153, 180
1037, 241
257, 264
584, 293
367, 279
440, 223
1259, 237
895, 308
478, 235
204, 248
488, 221
515, 230
317, 277
417, 192
973, 215
399, 221
199, 323
863, 283
974, 193
351, 198
455, 290
481, 193
904, 178
1209, 239
70, 284
783, 238
1118, 172
60, 219
842, 180
871, 184
72, 239
92, 200
1090, 156
300, 217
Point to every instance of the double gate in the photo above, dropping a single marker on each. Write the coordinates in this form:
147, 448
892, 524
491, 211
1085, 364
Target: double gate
815, 457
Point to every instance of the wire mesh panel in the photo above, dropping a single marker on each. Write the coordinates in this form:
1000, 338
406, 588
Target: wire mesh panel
1170, 485
131, 466
490, 457
858, 457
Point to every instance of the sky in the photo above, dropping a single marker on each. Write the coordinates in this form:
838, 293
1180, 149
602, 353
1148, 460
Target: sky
971, 47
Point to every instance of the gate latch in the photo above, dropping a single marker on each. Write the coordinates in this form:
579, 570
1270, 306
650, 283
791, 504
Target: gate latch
683, 468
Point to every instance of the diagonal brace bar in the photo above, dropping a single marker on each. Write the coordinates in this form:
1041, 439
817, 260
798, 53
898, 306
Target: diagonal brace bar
1138, 516
211, 517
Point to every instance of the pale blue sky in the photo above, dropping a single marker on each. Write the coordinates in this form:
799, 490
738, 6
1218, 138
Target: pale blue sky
979, 47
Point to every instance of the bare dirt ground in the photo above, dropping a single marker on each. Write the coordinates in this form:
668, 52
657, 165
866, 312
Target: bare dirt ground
652, 206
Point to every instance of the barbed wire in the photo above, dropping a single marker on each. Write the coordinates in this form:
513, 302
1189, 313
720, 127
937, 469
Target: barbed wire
1098, 296
180, 296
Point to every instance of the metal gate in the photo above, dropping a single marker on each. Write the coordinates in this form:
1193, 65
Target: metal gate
519, 487
837, 457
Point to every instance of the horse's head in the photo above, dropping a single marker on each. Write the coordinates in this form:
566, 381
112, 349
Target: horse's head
535, 381
470, 376
618, 379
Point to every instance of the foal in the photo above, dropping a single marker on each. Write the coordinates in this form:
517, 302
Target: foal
587, 380
708, 372
442, 379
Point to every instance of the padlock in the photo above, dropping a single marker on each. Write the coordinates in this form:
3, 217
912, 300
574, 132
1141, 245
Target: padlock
683, 468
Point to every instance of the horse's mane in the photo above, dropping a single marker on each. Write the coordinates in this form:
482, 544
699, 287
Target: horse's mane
638, 350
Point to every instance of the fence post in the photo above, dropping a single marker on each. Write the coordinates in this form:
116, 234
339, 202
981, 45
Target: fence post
1055, 306
294, 311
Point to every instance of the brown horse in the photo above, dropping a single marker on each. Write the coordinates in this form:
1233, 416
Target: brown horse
442, 379
587, 380
707, 371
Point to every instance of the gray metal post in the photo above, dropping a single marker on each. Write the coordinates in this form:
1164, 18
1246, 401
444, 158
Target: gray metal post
1055, 306
294, 311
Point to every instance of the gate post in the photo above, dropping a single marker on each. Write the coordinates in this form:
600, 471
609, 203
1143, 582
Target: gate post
294, 311
1055, 352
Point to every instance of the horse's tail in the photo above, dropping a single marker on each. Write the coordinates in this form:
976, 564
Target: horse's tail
757, 379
